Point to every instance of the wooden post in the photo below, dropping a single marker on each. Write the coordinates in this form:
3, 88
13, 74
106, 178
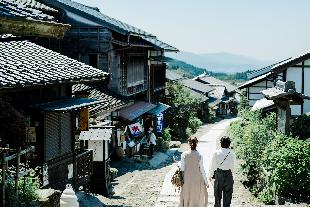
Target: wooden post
3, 178
17, 171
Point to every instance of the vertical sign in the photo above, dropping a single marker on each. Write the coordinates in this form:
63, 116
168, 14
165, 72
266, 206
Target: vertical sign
159, 122
84, 120
45, 174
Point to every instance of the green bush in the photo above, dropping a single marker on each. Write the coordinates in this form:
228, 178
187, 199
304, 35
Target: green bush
183, 114
301, 127
286, 159
194, 123
28, 187
163, 145
166, 134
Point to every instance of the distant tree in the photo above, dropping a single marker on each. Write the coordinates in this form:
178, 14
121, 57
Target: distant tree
183, 119
244, 103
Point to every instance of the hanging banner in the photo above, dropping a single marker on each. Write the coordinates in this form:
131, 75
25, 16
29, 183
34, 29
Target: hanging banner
84, 120
31, 134
159, 122
136, 129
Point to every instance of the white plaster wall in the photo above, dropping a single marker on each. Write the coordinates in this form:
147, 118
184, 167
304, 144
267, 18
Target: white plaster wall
262, 84
307, 62
270, 84
256, 96
256, 89
252, 102
307, 89
296, 109
294, 74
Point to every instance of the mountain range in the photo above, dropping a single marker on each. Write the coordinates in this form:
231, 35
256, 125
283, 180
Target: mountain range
220, 62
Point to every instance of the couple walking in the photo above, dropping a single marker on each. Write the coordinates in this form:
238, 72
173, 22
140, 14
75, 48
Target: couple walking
194, 190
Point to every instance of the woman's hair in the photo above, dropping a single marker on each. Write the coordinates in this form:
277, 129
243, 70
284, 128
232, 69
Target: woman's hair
193, 141
225, 142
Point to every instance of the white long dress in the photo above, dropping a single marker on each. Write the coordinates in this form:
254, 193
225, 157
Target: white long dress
194, 192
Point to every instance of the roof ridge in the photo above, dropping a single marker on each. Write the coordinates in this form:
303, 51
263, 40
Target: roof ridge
124, 25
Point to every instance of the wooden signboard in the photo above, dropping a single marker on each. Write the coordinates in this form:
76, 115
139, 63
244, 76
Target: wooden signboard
84, 120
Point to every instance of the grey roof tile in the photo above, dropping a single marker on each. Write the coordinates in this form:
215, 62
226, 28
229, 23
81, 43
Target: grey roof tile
216, 82
196, 86
112, 101
23, 64
172, 75
115, 24
29, 9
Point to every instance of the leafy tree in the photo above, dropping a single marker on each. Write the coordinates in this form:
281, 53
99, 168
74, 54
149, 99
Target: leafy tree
183, 116
244, 103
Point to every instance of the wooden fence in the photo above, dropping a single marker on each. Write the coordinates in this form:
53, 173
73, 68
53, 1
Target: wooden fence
5, 159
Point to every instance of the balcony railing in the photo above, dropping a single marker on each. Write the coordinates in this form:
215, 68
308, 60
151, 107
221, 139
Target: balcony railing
58, 170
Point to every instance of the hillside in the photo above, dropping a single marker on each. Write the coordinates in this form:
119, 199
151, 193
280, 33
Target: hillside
190, 71
220, 62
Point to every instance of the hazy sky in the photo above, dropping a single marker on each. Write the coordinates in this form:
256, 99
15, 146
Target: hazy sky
265, 29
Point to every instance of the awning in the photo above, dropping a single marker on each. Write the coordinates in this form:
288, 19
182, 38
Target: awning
96, 134
137, 109
159, 109
67, 104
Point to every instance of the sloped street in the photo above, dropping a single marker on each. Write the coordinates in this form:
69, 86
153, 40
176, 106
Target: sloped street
208, 142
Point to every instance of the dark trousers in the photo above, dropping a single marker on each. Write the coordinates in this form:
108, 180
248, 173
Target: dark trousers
151, 149
223, 184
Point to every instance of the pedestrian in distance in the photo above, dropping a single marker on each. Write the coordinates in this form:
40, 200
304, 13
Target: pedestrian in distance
195, 183
151, 137
221, 170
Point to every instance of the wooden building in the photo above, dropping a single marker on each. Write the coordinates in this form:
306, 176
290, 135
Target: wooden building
295, 69
223, 98
37, 82
112, 46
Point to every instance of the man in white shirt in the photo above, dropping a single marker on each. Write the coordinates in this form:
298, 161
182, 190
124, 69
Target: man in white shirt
152, 140
221, 168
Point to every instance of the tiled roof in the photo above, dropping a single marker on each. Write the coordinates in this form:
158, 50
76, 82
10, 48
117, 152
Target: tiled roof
275, 93
218, 92
24, 64
275, 68
120, 26
196, 86
112, 102
136, 110
197, 95
172, 75
262, 104
254, 80
160, 44
68, 104
160, 108
214, 102
265, 70
29, 9
216, 82
111, 23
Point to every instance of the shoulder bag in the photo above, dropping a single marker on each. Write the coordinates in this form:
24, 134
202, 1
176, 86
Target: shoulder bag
213, 177
177, 178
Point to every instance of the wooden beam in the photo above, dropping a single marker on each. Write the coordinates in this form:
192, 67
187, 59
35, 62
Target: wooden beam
26, 27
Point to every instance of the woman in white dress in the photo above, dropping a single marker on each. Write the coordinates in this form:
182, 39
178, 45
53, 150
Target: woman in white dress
194, 190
